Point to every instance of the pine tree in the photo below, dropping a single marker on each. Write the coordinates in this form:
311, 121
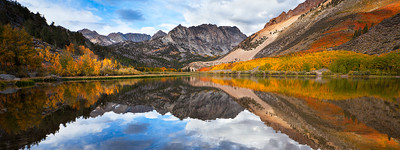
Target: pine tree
365, 29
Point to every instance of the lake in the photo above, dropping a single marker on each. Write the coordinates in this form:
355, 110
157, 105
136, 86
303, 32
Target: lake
203, 112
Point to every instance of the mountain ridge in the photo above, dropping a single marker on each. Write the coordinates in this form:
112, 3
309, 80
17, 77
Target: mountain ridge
113, 38
158, 34
182, 45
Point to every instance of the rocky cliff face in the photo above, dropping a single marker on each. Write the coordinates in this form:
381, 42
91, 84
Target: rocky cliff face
159, 34
96, 38
134, 37
182, 45
113, 38
300, 9
206, 39
117, 37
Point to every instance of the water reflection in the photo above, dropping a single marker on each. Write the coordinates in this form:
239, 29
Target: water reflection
204, 113
152, 130
329, 113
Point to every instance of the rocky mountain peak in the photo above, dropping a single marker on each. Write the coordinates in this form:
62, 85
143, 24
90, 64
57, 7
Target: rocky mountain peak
113, 38
89, 33
137, 37
117, 37
159, 34
207, 39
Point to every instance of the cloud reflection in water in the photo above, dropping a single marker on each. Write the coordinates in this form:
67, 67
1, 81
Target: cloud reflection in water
152, 130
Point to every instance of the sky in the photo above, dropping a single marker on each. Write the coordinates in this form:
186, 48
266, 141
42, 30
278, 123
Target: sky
149, 16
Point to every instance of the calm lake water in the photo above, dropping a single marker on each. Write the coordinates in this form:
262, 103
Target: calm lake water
203, 113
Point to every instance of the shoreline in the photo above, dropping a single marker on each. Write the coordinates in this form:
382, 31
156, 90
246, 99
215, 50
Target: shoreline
283, 74
28, 82
25, 82
77, 78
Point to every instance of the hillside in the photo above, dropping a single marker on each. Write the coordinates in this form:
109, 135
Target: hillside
181, 46
382, 38
158, 34
317, 25
330, 25
13, 13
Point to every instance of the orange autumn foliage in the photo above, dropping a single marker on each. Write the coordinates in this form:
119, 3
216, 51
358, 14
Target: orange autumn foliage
343, 32
205, 69
293, 62
336, 61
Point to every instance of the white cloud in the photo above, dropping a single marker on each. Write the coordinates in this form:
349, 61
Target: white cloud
75, 18
167, 26
124, 27
63, 14
83, 127
245, 129
77, 129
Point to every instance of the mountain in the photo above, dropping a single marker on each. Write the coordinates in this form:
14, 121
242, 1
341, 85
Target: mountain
317, 25
96, 38
158, 34
137, 37
329, 25
117, 37
113, 38
182, 45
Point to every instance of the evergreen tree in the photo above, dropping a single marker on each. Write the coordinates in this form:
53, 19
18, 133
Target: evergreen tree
365, 29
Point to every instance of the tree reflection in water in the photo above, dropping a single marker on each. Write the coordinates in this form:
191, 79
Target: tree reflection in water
322, 113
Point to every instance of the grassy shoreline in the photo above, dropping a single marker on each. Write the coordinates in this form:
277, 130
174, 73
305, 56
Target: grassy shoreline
293, 74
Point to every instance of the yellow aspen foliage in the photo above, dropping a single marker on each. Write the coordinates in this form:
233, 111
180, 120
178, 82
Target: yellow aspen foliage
70, 48
337, 61
17, 54
107, 63
51, 61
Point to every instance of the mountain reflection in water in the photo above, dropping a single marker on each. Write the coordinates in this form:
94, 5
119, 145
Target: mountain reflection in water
204, 113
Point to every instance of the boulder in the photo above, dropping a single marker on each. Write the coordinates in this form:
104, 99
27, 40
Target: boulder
8, 77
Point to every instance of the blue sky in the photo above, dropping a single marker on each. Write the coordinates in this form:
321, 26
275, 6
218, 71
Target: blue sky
149, 16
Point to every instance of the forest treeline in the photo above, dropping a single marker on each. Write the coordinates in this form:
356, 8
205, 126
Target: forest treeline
19, 56
337, 61
13, 13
